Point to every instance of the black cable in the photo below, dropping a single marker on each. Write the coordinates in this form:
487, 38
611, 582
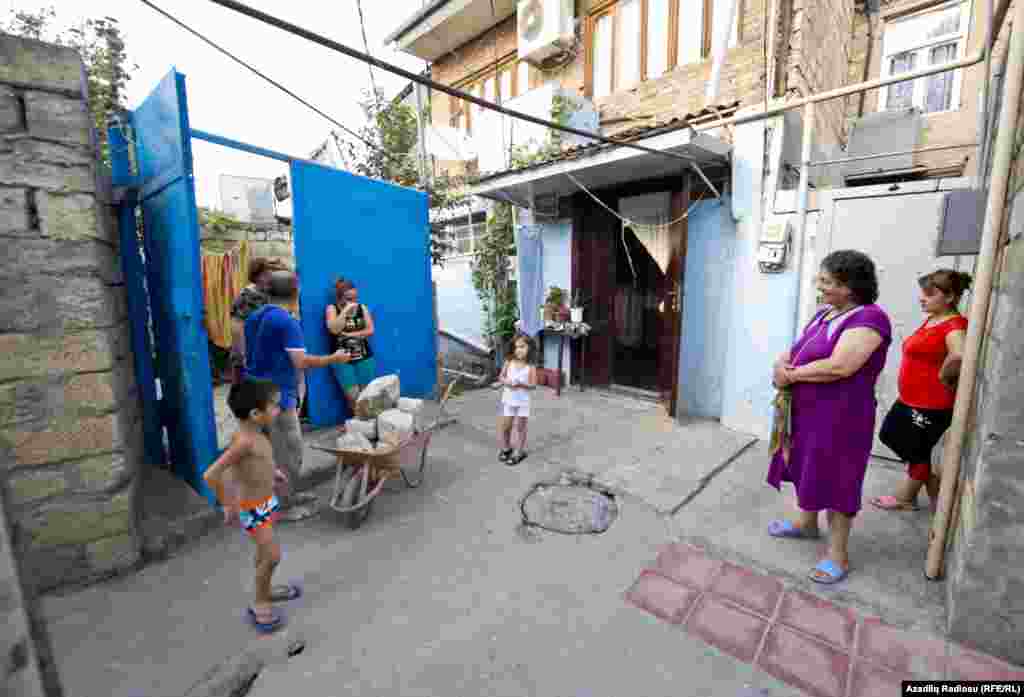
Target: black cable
265, 77
253, 13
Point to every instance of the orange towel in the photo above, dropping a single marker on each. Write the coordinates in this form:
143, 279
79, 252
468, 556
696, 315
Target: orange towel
224, 276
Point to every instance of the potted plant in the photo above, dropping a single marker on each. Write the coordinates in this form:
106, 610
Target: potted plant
553, 303
576, 311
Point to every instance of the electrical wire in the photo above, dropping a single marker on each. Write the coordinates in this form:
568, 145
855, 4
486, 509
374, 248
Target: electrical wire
296, 30
627, 221
272, 81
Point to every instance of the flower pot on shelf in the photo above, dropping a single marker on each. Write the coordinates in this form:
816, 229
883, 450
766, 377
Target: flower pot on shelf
563, 314
549, 313
576, 314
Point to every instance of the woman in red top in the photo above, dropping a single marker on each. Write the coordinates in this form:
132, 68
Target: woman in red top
927, 384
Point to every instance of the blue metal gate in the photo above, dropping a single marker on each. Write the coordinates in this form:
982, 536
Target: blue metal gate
164, 181
376, 235
368, 231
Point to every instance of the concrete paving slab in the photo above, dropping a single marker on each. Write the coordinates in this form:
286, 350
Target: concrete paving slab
440, 592
628, 446
887, 549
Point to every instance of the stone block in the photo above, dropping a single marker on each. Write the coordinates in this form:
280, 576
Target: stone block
367, 427
65, 439
49, 305
30, 356
10, 112
70, 217
45, 568
14, 213
355, 441
33, 487
17, 171
43, 65
79, 522
101, 474
112, 553
57, 117
379, 396
58, 259
394, 426
63, 154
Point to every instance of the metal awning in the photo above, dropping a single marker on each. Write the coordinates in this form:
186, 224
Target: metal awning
605, 166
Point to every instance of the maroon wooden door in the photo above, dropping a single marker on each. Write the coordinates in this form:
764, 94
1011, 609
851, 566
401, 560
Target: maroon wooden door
670, 306
593, 274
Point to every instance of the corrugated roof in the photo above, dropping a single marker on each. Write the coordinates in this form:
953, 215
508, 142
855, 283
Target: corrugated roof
629, 135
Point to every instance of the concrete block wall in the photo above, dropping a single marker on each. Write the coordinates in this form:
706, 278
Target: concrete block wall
70, 423
986, 585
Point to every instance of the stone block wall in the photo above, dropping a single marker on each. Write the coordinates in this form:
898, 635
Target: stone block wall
20, 668
70, 423
272, 241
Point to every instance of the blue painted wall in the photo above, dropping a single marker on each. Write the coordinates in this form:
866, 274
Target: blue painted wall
707, 306
761, 324
376, 235
556, 239
458, 306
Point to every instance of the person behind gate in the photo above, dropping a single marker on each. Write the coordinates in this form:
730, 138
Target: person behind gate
350, 325
250, 299
276, 351
927, 385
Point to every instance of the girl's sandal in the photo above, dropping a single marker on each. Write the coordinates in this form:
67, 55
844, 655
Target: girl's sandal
891, 503
504, 455
284, 593
514, 460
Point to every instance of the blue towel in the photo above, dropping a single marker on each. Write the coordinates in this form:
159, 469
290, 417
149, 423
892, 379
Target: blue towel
529, 250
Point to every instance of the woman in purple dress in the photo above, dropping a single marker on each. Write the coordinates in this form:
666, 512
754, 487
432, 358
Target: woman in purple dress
830, 377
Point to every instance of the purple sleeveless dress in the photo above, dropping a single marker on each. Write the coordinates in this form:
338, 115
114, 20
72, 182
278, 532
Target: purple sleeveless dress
833, 423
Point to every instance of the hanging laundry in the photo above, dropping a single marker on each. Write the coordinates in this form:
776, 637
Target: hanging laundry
224, 276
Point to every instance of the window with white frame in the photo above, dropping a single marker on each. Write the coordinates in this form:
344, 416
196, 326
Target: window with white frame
632, 41
462, 237
922, 40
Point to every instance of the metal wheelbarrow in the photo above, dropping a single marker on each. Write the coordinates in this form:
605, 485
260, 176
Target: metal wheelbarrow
361, 475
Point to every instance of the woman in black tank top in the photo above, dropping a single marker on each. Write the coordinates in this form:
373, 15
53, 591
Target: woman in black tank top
350, 325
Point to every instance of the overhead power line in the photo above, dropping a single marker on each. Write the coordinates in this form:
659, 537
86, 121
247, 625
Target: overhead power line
253, 13
271, 80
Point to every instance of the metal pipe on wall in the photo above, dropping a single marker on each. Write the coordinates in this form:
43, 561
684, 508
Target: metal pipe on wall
800, 242
995, 215
721, 39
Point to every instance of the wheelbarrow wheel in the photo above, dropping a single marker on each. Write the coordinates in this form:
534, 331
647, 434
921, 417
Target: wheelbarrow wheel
350, 496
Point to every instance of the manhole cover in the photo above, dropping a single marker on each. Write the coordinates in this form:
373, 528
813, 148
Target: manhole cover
572, 504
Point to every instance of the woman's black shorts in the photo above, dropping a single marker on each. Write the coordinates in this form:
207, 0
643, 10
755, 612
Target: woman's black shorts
912, 433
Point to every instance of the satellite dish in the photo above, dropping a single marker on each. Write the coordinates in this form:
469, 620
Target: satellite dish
533, 20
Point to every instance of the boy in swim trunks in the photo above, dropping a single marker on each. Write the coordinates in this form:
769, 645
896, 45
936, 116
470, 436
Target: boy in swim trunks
249, 461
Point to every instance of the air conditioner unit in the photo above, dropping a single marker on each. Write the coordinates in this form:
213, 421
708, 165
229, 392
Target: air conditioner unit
544, 28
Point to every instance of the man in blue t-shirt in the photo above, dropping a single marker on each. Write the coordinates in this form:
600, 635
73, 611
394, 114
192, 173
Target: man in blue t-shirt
276, 351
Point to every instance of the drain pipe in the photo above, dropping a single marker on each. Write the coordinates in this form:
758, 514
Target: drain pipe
978, 318
721, 48
802, 196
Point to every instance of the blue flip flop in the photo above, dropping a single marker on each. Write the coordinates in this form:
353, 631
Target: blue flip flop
785, 528
292, 591
828, 567
265, 627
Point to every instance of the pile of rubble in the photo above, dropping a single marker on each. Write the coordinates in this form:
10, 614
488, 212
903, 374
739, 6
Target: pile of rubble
384, 419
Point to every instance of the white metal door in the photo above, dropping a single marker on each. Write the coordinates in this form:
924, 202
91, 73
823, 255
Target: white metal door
899, 233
